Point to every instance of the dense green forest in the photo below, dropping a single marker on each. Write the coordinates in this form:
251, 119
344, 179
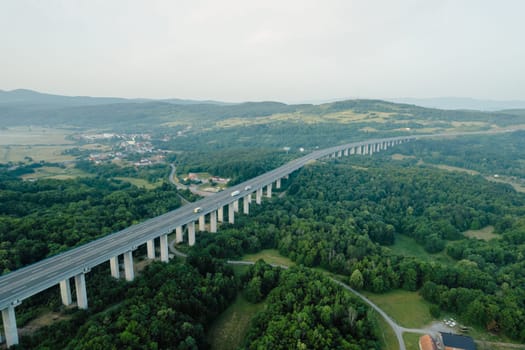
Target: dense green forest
489, 155
44, 217
306, 311
171, 306
343, 215
236, 164
168, 306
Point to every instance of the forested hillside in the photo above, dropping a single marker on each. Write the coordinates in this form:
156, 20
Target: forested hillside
343, 215
31, 108
169, 306
489, 155
45, 217
307, 311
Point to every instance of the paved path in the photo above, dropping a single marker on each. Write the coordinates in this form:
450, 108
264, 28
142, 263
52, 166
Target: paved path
398, 330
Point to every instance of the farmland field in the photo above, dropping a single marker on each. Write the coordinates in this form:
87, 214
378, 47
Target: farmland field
20, 143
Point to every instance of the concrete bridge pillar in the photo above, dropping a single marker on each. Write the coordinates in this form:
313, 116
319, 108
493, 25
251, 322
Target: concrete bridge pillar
202, 223
246, 205
269, 191
191, 233
164, 257
249, 198
9, 320
80, 286
178, 234
278, 184
345, 152
213, 222
352, 150
231, 213
236, 205
339, 154
371, 149
114, 266
65, 292
151, 248
358, 150
258, 195
129, 273
220, 214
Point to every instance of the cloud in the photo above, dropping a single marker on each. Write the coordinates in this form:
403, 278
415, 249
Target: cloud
280, 50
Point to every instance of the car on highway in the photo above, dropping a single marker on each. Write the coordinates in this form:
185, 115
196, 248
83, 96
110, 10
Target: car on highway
247, 188
197, 210
235, 193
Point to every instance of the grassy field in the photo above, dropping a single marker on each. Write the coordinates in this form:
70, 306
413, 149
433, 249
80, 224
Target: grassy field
486, 233
229, 329
399, 156
407, 308
407, 246
28, 135
140, 182
481, 345
46, 318
411, 340
16, 143
271, 256
518, 186
18, 153
455, 168
47, 172
480, 334
347, 117
387, 335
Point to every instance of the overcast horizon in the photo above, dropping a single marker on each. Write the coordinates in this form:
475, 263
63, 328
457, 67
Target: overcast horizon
291, 52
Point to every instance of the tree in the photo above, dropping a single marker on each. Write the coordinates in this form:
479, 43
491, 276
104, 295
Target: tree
356, 279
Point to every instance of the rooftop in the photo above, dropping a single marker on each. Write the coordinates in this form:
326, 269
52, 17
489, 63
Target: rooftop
457, 341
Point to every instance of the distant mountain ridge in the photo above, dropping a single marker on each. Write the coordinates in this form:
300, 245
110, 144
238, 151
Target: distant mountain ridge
26, 107
33, 98
461, 103
30, 98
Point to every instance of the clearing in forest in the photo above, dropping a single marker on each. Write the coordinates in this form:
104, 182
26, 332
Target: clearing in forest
486, 233
229, 329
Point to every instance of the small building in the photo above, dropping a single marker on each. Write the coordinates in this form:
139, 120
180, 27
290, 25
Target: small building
193, 177
427, 343
457, 342
219, 180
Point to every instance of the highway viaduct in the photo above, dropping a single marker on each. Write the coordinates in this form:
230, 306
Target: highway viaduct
75, 263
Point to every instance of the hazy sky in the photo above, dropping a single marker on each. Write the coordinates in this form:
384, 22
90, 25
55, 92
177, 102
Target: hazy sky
291, 51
